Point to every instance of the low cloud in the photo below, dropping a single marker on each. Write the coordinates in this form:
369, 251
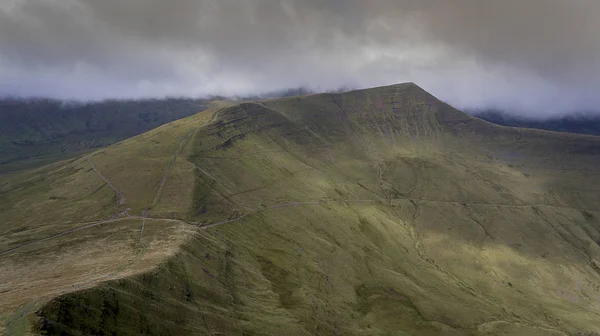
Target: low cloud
538, 56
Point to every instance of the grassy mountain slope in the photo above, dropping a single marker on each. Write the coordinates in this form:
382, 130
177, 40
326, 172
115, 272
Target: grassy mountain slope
373, 212
34, 132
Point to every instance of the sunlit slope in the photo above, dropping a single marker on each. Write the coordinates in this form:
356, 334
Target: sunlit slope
373, 212
76, 223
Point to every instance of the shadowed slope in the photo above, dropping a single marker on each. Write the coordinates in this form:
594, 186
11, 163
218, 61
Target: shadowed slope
372, 212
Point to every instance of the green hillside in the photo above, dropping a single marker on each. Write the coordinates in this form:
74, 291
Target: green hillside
34, 132
372, 212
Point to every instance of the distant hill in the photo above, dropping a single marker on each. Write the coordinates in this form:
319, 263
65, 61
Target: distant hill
579, 124
38, 131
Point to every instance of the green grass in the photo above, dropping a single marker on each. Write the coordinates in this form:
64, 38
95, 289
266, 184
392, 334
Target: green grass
373, 212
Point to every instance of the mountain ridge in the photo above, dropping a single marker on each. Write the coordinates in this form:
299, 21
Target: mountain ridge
362, 213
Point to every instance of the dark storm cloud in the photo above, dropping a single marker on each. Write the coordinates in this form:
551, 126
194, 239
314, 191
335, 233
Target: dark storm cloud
541, 55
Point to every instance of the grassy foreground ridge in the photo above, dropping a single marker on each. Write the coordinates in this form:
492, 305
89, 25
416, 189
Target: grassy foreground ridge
372, 212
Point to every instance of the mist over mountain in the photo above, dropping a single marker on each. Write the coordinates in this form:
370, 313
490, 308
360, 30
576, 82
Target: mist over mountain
533, 55
252, 168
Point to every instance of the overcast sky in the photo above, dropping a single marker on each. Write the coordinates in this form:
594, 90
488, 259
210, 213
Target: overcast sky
537, 55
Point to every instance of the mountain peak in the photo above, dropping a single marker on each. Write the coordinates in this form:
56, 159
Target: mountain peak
373, 211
